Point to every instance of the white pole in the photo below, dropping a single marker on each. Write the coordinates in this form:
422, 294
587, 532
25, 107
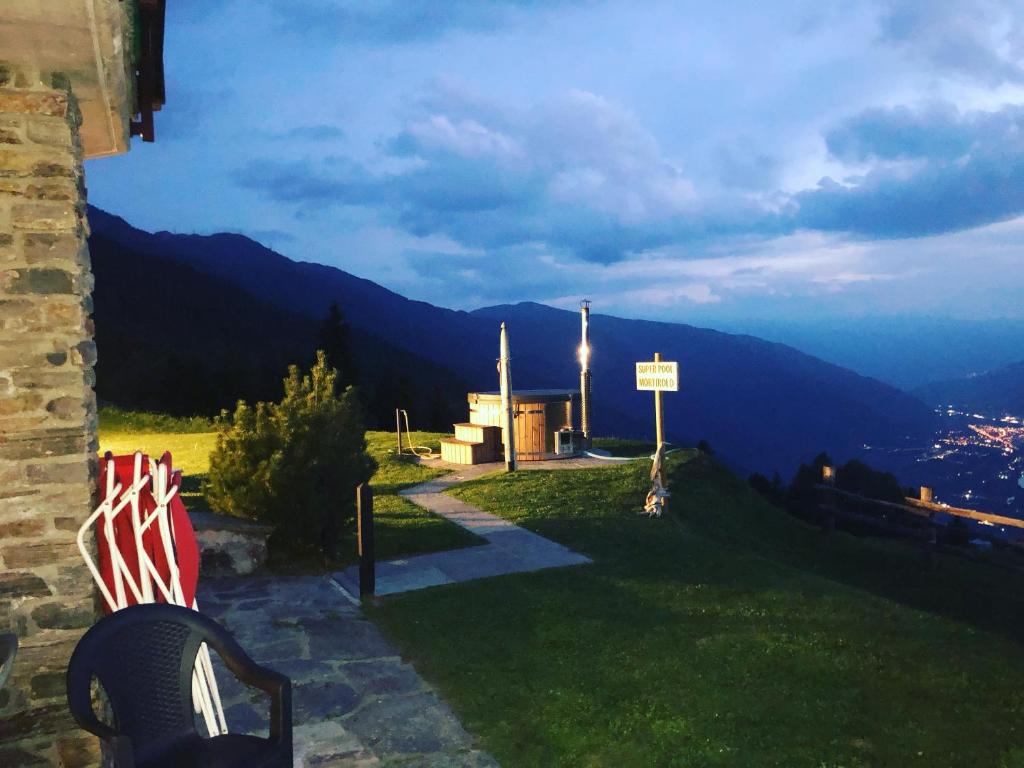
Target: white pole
507, 409
140, 549
585, 371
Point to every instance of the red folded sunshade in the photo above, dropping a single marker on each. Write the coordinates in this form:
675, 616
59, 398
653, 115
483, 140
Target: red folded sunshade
183, 544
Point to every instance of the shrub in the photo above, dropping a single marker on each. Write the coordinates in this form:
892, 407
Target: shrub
771, 490
857, 477
293, 464
801, 496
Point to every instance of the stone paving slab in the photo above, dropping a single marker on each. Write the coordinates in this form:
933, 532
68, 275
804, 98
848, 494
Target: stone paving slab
355, 703
509, 548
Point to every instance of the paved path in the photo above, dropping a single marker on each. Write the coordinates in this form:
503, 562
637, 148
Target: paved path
509, 548
355, 703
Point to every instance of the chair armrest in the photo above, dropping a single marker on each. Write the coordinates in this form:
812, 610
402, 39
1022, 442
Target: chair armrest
280, 689
281, 712
278, 686
79, 685
8, 651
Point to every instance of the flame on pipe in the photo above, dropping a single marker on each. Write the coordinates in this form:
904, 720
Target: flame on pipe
584, 357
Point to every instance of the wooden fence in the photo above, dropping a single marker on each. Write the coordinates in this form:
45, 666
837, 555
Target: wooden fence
913, 519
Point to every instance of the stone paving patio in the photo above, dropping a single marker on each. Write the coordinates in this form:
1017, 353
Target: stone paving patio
355, 702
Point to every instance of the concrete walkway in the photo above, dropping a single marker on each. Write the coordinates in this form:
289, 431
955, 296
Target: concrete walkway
509, 548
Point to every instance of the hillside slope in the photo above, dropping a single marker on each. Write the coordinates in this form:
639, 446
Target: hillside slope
174, 339
762, 406
1001, 390
726, 633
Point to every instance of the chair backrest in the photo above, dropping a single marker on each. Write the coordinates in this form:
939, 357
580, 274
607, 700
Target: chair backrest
143, 657
8, 650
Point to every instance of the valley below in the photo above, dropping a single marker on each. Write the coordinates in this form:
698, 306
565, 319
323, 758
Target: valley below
976, 461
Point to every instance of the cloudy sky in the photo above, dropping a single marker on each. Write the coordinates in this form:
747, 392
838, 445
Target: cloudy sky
675, 160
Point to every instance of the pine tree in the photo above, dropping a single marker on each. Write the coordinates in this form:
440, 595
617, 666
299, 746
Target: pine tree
294, 464
335, 339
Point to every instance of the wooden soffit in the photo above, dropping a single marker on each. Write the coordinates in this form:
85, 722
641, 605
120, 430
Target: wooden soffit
96, 45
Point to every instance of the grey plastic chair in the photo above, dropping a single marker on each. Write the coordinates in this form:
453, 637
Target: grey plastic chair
143, 657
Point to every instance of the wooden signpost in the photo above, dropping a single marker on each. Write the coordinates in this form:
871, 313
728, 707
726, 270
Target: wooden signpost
658, 376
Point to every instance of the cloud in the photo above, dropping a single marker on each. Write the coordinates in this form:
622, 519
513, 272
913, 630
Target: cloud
578, 174
461, 137
740, 165
301, 182
696, 134
662, 283
313, 134
797, 276
936, 132
969, 171
981, 40
663, 295
398, 21
576, 150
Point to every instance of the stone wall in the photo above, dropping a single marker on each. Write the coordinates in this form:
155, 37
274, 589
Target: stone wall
47, 414
229, 546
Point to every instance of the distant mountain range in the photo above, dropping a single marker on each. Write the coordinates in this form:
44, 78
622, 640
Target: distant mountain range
907, 351
1000, 390
213, 318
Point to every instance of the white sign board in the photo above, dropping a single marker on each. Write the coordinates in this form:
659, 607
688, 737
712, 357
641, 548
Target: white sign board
657, 377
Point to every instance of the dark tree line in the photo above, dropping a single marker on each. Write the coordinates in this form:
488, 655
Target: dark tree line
429, 405
800, 497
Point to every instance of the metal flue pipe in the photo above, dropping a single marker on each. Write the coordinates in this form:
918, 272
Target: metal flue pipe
507, 409
584, 355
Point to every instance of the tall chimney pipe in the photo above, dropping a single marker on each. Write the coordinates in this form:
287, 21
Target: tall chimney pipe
585, 370
508, 416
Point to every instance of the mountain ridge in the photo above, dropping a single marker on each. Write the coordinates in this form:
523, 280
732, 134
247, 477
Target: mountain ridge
1001, 389
763, 405
220, 343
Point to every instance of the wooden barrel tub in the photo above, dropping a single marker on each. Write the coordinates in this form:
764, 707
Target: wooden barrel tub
539, 413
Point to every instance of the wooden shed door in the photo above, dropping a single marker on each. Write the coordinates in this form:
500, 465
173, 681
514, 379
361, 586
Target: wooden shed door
530, 428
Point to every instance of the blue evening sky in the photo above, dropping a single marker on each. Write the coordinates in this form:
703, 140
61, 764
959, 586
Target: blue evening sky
673, 160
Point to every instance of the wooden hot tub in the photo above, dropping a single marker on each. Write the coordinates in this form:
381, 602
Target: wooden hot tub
539, 413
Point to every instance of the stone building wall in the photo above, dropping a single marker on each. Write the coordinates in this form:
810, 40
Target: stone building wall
47, 414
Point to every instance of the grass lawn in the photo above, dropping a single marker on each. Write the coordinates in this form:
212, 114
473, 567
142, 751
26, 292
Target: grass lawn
401, 527
725, 634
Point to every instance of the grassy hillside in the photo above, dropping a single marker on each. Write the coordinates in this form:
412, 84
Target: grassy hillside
726, 634
401, 527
